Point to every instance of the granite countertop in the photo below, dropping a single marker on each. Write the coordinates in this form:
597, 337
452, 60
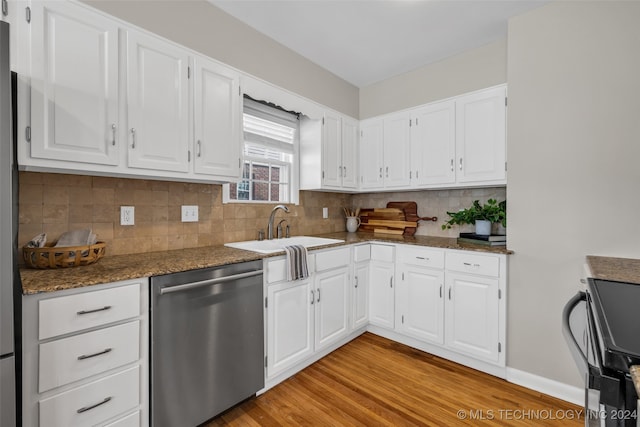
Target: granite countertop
616, 269
134, 266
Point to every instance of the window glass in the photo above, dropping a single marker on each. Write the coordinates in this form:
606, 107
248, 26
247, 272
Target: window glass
270, 155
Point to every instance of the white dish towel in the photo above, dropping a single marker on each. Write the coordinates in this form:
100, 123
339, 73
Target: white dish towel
297, 265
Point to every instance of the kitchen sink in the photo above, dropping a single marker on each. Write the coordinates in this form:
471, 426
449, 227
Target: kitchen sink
277, 245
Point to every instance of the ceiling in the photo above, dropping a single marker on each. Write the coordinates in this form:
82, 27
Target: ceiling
366, 41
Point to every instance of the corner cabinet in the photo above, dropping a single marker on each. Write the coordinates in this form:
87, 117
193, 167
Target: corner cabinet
385, 152
381, 286
157, 104
74, 85
85, 356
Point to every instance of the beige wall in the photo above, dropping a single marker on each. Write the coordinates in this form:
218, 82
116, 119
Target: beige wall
573, 151
55, 203
475, 69
203, 27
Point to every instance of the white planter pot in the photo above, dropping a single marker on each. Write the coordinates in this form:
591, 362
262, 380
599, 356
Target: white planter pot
483, 227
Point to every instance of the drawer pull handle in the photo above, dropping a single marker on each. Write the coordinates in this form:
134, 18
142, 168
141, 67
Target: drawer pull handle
95, 310
88, 408
100, 353
471, 265
422, 258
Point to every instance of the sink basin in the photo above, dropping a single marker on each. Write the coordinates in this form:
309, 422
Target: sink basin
277, 245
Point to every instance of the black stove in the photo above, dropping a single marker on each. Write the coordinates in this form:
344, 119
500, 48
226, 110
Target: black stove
617, 306
612, 322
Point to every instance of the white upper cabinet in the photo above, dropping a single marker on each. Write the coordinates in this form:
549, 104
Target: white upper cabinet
349, 153
384, 152
481, 136
74, 84
371, 154
396, 150
216, 119
433, 144
328, 152
158, 113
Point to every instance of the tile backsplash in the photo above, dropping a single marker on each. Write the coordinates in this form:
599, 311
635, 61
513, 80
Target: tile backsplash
434, 203
55, 203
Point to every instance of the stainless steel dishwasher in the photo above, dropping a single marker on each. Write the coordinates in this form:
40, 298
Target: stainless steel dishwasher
207, 342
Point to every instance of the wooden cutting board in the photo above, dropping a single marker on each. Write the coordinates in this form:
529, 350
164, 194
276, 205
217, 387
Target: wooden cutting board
384, 221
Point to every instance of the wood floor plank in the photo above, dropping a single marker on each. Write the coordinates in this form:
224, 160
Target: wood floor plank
372, 381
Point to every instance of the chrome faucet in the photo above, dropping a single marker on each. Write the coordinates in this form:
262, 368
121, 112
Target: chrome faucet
273, 214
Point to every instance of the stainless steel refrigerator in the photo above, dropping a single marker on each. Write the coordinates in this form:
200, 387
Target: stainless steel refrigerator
8, 239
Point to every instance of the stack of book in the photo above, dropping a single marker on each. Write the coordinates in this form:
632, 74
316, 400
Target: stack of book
481, 239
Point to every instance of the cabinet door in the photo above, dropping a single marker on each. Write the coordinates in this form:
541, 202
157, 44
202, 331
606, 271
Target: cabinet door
331, 151
371, 154
289, 324
332, 307
481, 136
360, 300
216, 119
74, 93
158, 127
472, 315
420, 303
433, 144
381, 294
349, 153
397, 162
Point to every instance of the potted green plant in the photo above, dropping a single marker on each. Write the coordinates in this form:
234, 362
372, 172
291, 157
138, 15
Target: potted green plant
482, 216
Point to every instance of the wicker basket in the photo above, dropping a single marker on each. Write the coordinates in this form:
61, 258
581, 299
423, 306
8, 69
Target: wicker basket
62, 257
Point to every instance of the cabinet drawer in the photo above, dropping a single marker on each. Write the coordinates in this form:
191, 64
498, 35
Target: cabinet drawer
71, 359
486, 265
423, 257
332, 259
276, 269
73, 313
93, 403
382, 253
361, 253
131, 420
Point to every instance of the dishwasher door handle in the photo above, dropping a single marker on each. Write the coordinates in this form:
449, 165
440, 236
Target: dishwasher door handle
209, 282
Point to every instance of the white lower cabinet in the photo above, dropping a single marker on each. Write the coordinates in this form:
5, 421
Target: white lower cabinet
381, 286
360, 286
447, 302
306, 316
290, 316
419, 303
472, 315
85, 356
332, 307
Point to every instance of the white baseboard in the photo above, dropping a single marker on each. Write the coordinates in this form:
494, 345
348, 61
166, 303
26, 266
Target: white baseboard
544, 385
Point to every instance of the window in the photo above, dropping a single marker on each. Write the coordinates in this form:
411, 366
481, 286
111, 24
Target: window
270, 156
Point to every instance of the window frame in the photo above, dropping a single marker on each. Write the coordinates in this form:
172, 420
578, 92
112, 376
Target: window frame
277, 115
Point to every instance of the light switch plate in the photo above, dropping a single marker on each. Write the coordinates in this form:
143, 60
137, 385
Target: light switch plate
127, 215
325, 213
189, 213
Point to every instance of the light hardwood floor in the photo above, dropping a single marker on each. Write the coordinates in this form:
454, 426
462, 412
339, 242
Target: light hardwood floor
372, 381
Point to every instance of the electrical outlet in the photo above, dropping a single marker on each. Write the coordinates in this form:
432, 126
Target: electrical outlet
189, 213
127, 215
325, 213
